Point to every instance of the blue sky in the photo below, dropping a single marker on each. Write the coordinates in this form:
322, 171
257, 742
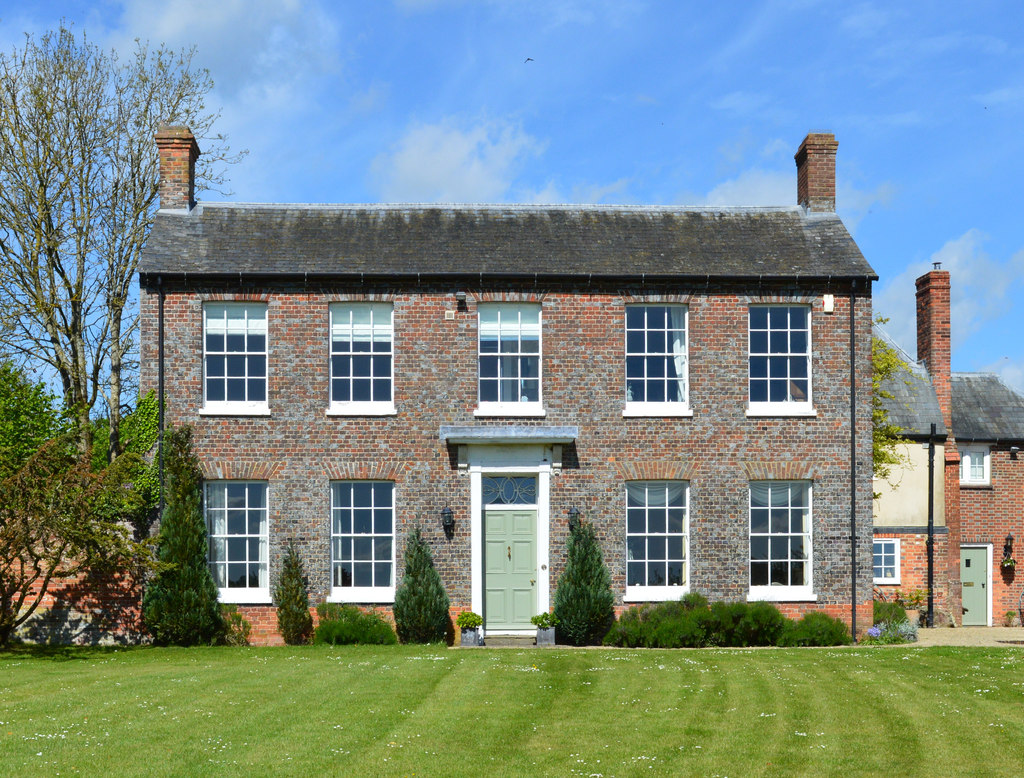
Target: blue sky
632, 102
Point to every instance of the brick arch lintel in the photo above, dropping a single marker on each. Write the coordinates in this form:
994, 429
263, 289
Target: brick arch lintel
231, 470
779, 471
656, 470
363, 471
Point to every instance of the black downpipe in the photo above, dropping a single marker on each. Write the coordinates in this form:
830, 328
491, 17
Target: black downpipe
160, 390
931, 527
853, 465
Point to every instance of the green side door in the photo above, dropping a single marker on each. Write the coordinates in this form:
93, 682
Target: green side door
510, 568
974, 583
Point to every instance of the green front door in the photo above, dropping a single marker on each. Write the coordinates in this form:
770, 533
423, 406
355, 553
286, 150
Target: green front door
510, 568
974, 580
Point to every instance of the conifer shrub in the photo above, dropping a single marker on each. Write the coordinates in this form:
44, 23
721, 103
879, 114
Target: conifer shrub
816, 628
342, 625
583, 598
291, 596
180, 604
421, 603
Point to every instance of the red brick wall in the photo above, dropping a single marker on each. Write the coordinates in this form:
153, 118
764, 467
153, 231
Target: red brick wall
299, 449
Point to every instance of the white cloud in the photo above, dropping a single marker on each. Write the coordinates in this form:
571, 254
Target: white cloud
446, 162
755, 187
1011, 372
980, 293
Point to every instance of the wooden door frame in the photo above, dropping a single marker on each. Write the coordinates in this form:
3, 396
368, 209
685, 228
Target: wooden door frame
988, 577
514, 459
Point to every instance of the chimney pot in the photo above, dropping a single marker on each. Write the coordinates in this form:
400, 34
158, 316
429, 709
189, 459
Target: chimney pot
178, 152
816, 172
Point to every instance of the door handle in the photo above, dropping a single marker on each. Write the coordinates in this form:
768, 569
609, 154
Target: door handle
510, 553
532, 582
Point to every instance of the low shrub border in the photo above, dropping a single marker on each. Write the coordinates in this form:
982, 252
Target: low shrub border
692, 623
346, 625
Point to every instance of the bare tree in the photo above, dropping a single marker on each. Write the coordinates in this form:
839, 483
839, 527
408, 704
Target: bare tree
78, 192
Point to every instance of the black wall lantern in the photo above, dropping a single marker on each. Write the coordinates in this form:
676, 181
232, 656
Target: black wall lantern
447, 519
574, 519
1008, 547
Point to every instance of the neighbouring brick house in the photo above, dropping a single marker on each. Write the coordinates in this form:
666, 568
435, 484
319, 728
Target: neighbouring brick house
678, 377
977, 477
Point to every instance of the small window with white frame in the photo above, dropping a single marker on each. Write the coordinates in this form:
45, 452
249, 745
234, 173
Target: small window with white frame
657, 540
780, 540
656, 361
509, 360
363, 541
235, 358
362, 358
780, 360
236, 520
887, 561
975, 465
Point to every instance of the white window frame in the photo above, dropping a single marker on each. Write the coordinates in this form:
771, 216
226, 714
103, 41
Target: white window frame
786, 407
894, 553
782, 593
361, 594
969, 456
648, 593
663, 408
234, 407
520, 407
238, 594
361, 407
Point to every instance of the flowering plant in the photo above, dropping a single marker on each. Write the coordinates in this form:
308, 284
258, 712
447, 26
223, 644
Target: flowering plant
1009, 563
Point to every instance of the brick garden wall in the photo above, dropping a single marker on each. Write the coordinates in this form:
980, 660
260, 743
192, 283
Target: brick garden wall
299, 449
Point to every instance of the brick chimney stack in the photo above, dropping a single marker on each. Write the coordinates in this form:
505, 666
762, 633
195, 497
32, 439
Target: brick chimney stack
816, 172
178, 154
933, 335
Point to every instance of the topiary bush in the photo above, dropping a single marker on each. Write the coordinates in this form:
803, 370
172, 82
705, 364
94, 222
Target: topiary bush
347, 625
180, 604
817, 629
583, 598
421, 603
887, 612
291, 596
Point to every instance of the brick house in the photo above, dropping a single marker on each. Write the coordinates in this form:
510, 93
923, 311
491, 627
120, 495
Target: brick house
974, 425
680, 378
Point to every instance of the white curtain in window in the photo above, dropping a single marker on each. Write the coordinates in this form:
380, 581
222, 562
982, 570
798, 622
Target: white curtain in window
677, 323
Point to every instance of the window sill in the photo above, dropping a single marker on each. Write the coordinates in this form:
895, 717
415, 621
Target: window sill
781, 594
886, 581
975, 485
383, 595
362, 409
657, 409
235, 409
781, 409
654, 593
259, 596
509, 409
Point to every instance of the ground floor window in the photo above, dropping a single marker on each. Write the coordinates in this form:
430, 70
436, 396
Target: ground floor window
236, 520
657, 539
363, 541
780, 540
887, 560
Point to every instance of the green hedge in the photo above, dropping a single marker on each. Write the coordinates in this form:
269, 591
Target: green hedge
346, 625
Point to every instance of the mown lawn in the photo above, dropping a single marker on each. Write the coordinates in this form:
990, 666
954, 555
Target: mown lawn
430, 711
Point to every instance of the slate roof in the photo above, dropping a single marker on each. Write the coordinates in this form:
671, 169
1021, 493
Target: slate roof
914, 405
986, 409
501, 240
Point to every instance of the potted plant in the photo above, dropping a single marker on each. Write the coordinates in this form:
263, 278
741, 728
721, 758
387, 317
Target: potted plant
1008, 564
545, 624
469, 624
912, 601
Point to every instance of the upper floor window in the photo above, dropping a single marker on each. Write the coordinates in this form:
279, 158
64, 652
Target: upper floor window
780, 359
235, 357
656, 360
509, 360
362, 358
780, 540
657, 540
236, 520
363, 541
975, 465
